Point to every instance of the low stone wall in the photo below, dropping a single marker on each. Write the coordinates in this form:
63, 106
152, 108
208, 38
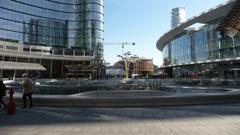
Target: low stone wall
148, 101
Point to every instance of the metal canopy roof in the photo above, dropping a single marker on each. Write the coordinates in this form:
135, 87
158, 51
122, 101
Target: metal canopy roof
9, 65
205, 17
232, 19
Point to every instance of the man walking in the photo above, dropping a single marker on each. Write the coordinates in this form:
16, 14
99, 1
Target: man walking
2, 94
27, 90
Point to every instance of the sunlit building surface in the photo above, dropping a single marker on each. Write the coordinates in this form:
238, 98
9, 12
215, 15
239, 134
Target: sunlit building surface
57, 34
140, 67
207, 45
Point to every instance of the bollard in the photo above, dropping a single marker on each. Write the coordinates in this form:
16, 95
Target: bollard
11, 108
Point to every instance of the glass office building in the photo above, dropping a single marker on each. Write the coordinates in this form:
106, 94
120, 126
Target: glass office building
67, 27
196, 46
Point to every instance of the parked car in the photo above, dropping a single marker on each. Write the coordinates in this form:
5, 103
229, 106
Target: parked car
17, 87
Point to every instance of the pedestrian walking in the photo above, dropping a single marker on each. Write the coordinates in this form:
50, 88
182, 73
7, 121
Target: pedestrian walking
27, 90
2, 94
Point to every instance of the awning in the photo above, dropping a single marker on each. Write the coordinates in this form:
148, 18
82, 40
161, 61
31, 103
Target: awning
9, 65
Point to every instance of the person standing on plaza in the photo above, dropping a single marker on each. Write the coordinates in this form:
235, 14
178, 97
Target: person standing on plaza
27, 90
2, 94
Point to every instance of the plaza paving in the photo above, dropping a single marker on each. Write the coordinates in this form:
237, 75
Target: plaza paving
180, 120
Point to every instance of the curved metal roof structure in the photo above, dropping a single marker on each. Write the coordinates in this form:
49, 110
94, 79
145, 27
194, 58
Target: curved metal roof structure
204, 17
232, 19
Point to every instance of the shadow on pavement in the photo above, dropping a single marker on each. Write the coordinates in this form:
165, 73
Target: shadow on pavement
51, 116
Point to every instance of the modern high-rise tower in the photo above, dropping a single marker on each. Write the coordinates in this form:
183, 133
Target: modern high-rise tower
67, 31
178, 16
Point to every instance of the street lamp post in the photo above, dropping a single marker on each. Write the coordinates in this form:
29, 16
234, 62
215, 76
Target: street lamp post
125, 60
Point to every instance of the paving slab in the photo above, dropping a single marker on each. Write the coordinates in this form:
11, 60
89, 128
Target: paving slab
182, 120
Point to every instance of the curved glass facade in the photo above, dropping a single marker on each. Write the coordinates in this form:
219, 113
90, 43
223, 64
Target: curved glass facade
57, 23
201, 45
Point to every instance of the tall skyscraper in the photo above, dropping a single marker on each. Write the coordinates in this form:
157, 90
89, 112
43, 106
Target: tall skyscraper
178, 16
74, 24
56, 34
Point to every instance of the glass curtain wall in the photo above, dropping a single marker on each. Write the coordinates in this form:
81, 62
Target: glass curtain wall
56, 23
180, 50
201, 45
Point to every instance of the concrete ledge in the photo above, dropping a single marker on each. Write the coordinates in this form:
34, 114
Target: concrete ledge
175, 100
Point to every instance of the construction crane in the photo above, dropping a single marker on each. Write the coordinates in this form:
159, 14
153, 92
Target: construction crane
123, 56
120, 43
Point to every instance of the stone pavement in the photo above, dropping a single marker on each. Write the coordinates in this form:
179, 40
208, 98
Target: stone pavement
180, 120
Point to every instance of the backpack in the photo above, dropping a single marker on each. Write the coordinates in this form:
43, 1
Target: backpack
3, 90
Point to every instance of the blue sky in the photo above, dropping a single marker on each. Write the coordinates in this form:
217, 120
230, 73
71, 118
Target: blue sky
143, 22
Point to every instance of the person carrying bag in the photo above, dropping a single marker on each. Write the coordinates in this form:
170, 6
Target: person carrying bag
2, 94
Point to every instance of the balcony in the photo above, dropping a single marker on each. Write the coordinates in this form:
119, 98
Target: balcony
42, 52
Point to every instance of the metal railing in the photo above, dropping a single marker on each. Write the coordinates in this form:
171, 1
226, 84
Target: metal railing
16, 49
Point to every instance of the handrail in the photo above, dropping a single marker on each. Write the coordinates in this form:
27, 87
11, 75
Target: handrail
40, 51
